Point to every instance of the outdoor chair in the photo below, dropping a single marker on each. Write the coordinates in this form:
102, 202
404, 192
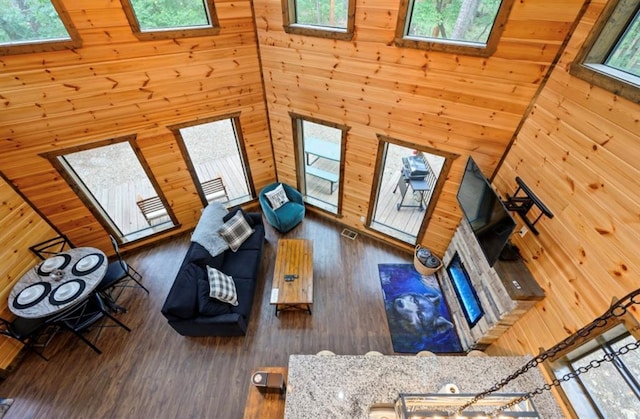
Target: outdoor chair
214, 189
80, 319
152, 209
287, 216
120, 275
51, 247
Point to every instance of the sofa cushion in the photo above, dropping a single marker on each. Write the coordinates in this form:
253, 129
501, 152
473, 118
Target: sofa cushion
205, 232
242, 264
236, 231
182, 301
208, 306
255, 241
277, 197
244, 214
222, 287
246, 289
201, 256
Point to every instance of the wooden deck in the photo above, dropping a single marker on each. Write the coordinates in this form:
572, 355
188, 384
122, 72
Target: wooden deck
119, 200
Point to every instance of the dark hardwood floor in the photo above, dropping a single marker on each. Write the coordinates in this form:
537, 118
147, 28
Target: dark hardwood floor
153, 372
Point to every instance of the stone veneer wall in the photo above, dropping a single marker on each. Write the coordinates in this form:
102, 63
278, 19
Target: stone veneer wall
501, 311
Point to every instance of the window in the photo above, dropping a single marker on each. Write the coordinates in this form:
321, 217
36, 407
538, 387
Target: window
156, 19
333, 19
35, 26
216, 158
407, 185
610, 57
462, 26
320, 156
612, 389
112, 179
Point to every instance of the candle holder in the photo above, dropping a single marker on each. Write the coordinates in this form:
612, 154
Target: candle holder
57, 274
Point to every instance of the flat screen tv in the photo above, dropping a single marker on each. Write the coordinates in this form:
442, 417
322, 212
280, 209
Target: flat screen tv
490, 220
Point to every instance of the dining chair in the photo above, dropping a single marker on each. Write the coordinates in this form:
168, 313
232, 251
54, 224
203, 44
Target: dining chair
51, 247
85, 317
34, 334
118, 277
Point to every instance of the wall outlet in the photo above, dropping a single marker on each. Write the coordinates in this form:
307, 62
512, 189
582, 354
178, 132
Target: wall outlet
523, 231
362, 219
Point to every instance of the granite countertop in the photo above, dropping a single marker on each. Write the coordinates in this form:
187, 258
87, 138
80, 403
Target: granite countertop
343, 386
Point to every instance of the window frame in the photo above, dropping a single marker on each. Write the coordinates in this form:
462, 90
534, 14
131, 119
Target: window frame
170, 33
589, 62
27, 47
298, 145
91, 203
235, 120
290, 25
447, 45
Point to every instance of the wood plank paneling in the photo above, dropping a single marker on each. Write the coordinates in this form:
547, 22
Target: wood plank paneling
460, 104
578, 150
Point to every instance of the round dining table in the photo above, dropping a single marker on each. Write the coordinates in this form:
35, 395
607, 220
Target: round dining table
58, 283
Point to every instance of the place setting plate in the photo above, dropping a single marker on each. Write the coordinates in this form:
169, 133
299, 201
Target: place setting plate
87, 264
31, 295
67, 292
59, 261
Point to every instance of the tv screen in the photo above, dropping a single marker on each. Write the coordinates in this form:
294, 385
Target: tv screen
490, 220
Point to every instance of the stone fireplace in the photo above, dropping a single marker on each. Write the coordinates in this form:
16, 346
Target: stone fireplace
496, 297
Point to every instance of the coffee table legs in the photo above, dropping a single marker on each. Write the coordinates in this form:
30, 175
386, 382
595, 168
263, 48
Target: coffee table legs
288, 307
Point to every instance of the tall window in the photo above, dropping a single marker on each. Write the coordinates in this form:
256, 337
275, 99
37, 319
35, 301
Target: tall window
153, 19
320, 157
463, 26
324, 18
33, 26
113, 180
610, 391
215, 154
610, 58
406, 188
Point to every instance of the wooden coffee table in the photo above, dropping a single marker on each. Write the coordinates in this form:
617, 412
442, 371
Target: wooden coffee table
292, 287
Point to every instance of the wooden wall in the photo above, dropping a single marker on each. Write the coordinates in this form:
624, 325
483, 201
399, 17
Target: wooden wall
116, 85
579, 150
458, 104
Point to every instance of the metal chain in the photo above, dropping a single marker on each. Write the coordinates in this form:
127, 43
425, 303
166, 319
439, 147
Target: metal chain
617, 309
609, 357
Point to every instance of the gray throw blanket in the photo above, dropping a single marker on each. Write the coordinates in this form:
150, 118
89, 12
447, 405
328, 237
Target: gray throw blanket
206, 232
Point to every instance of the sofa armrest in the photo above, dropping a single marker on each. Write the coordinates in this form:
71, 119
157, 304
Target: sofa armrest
256, 217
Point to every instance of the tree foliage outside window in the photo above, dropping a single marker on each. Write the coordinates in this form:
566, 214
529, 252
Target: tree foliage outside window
455, 20
625, 56
27, 21
331, 13
155, 15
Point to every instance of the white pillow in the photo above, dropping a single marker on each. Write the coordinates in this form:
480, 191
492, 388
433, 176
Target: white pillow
222, 287
277, 197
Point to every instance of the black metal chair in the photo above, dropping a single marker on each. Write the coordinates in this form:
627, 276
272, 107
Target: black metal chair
118, 277
34, 334
51, 247
85, 317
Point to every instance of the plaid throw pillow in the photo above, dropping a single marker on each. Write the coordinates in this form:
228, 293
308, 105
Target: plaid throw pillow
277, 197
222, 287
236, 231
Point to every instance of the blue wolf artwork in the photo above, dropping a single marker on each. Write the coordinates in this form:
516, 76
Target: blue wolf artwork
416, 311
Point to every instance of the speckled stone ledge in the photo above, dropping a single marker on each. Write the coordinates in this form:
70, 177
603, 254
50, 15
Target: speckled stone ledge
346, 386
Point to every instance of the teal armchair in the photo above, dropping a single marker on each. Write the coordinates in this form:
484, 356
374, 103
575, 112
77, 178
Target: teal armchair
287, 216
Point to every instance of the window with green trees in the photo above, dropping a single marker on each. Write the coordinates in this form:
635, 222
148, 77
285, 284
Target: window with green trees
37, 24
324, 18
610, 57
464, 26
166, 18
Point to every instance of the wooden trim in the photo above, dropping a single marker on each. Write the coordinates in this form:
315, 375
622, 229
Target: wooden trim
212, 29
614, 18
46, 46
290, 26
295, 120
448, 45
235, 121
